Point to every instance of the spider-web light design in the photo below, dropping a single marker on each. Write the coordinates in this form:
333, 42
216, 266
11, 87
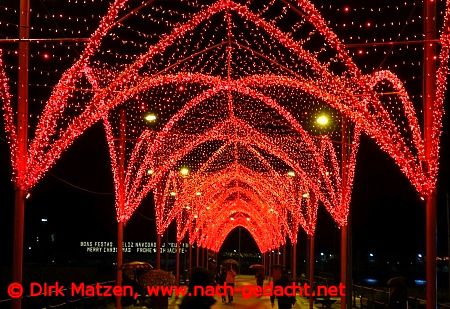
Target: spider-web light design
235, 87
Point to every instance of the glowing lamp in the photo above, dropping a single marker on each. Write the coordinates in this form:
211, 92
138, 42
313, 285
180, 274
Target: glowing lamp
198, 193
184, 171
173, 193
323, 120
150, 117
46, 56
305, 195
291, 174
150, 172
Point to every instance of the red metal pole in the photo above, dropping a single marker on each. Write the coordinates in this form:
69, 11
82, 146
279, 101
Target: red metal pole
263, 262
190, 260
294, 261
202, 255
122, 149
197, 256
269, 265
22, 146
119, 261
345, 268
205, 257
448, 240
312, 260
158, 251
429, 90
344, 264
19, 218
177, 264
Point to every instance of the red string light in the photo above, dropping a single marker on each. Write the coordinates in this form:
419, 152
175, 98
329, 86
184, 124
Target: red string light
377, 104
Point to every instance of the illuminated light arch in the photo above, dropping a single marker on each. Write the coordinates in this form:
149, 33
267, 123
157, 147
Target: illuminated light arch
11, 135
203, 180
62, 90
209, 205
42, 160
217, 188
278, 81
255, 138
388, 139
214, 237
234, 86
260, 228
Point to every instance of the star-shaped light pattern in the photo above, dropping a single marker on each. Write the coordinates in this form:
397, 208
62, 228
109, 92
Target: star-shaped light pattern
235, 107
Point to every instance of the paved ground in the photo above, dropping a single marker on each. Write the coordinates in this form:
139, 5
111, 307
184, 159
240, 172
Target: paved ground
242, 303
252, 303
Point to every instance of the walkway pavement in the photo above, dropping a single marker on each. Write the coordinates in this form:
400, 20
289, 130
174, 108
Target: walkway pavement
252, 303
241, 302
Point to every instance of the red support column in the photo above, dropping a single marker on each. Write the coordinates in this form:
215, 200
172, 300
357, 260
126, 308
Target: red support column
204, 257
22, 146
429, 90
121, 197
266, 265
344, 264
190, 260
158, 251
177, 264
19, 226
312, 260
345, 230
269, 265
119, 261
294, 261
263, 262
197, 256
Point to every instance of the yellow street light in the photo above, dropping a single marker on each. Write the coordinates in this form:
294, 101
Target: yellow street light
173, 193
184, 171
150, 117
150, 172
291, 174
323, 120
